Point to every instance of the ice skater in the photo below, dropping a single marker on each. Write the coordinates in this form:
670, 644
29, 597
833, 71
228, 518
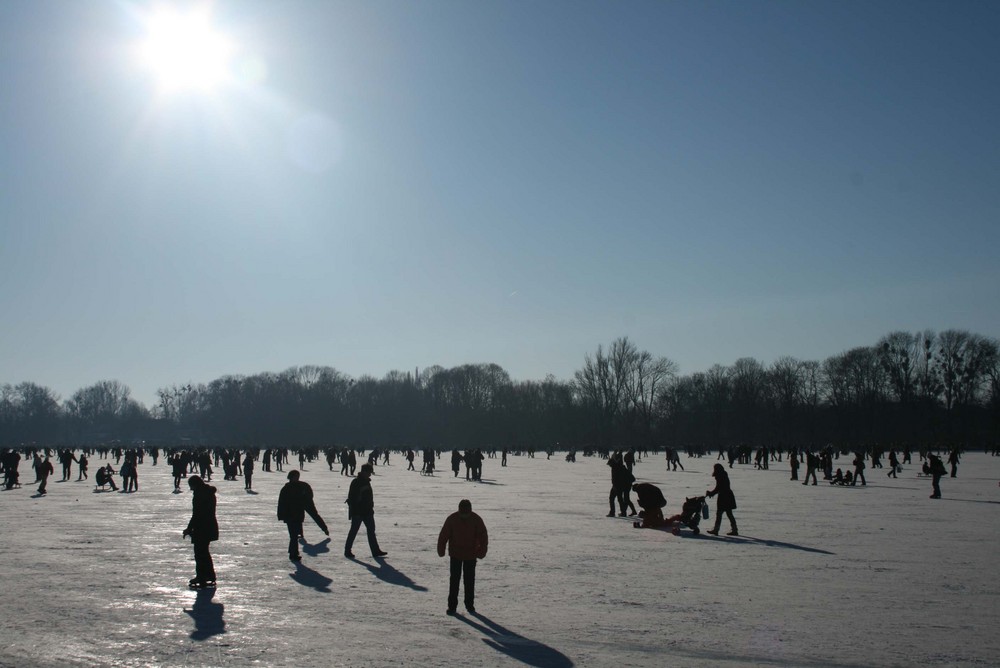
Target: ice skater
203, 529
294, 501
464, 533
44, 470
361, 508
726, 502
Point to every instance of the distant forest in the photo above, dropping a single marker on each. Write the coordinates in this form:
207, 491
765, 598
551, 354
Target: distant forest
917, 388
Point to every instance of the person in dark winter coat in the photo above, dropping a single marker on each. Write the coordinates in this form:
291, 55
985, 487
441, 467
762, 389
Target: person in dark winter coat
44, 470
361, 508
464, 533
294, 501
248, 472
203, 529
936, 469
652, 502
726, 502
650, 496
621, 484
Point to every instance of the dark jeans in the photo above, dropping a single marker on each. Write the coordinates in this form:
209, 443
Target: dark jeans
204, 569
294, 531
369, 521
936, 484
459, 568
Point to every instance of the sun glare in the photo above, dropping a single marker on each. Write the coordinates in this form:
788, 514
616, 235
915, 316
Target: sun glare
184, 50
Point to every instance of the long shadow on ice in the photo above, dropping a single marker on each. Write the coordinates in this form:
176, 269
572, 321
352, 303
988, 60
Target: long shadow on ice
207, 616
970, 500
383, 571
525, 650
307, 577
750, 540
724, 658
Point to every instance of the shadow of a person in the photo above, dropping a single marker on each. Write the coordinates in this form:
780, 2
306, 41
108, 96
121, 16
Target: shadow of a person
317, 549
750, 540
307, 577
385, 572
207, 616
516, 646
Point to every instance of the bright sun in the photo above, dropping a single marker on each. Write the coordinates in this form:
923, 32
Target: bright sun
184, 50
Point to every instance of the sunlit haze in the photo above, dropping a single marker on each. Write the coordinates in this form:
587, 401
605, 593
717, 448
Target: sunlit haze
183, 49
191, 190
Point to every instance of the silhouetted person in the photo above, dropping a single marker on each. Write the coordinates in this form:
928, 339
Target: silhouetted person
361, 508
179, 469
294, 501
935, 468
893, 464
726, 502
953, 459
44, 470
248, 472
651, 501
106, 476
82, 463
793, 462
859, 469
456, 462
66, 458
410, 456
621, 482
812, 463
467, 540
203, 529
649, 495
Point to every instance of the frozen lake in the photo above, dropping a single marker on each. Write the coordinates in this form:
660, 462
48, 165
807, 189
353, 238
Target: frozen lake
822, 576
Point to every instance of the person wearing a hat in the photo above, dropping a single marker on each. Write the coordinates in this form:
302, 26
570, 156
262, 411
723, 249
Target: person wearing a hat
465, 535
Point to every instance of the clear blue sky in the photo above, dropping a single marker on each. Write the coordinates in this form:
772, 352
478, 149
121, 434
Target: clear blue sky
402, 184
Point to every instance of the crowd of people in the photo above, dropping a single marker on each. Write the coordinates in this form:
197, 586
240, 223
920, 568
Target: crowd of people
464, 533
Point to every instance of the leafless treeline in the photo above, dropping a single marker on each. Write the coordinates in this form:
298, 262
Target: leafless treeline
907, 387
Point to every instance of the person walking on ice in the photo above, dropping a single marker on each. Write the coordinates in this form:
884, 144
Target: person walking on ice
726, 502
294, 501
464, 533
361, 508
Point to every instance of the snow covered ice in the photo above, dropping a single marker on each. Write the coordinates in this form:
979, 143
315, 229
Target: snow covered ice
821, 576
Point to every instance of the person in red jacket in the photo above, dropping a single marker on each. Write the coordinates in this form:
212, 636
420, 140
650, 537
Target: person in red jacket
465, 535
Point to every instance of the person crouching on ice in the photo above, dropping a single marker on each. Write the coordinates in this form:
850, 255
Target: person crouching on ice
652, 502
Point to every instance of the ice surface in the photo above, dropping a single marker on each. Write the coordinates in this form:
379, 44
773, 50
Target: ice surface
821, 576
